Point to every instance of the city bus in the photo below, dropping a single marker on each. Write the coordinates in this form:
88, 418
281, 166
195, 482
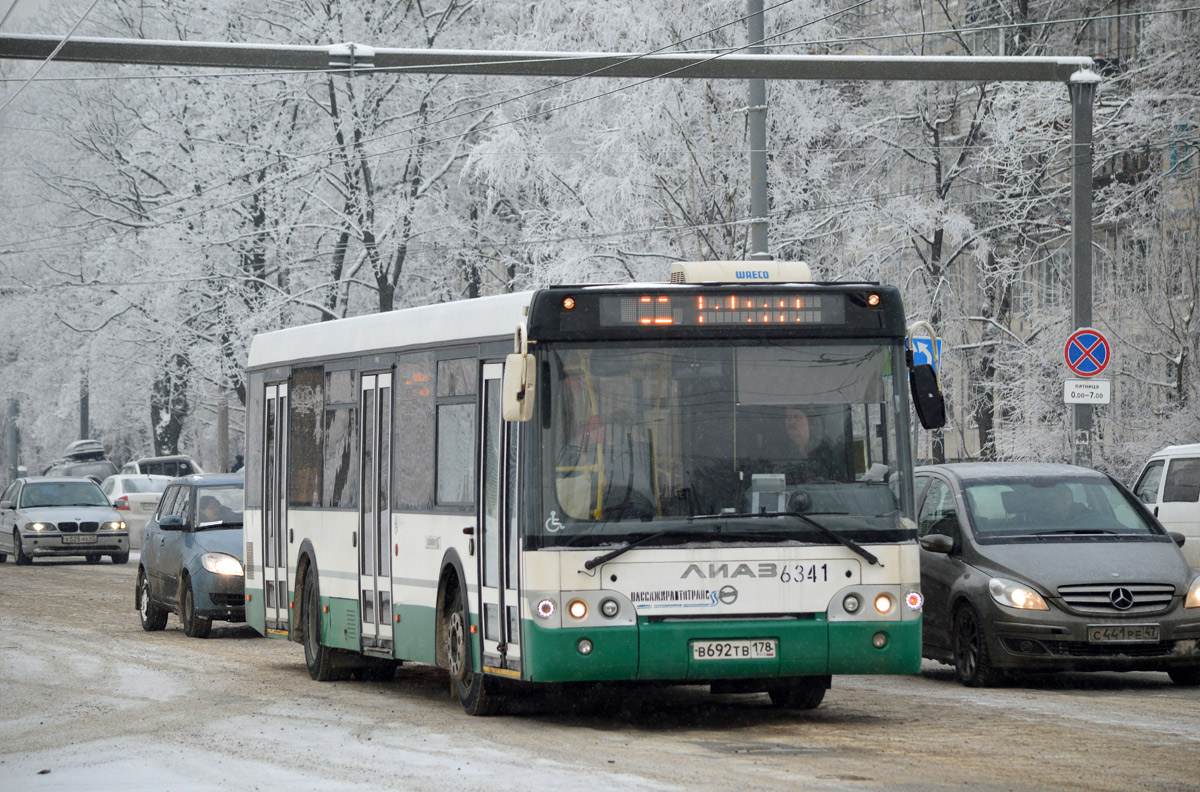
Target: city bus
593, 484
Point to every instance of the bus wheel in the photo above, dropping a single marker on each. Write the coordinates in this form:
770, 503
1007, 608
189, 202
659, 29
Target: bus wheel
318, 657
804, 693
476, 692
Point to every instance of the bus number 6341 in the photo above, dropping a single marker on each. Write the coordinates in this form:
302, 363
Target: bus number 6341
800, 573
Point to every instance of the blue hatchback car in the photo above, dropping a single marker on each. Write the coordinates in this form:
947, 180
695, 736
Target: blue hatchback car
192, 555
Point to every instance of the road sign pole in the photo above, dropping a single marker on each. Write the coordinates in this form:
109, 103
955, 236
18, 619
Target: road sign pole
1082, 88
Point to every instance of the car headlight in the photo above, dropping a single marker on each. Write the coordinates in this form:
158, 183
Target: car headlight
115, 525
39, 526
222, 564
1015, 595
1193, 596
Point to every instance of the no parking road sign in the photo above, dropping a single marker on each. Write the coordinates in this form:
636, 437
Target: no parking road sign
1087, 352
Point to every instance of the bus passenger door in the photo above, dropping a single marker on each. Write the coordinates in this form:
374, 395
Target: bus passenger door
374, 512
500, 613
275, 493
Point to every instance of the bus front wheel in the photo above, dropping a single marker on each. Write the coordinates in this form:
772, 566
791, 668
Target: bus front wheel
803, 693
317, 657
476, 691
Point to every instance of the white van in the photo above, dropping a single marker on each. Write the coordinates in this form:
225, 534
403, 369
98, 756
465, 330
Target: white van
1170, 486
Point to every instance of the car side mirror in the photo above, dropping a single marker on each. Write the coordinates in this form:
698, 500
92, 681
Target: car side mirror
7, 505
1177, 537
937, 543
172, 522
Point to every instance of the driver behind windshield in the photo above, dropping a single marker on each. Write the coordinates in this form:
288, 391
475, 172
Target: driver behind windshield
804, 442
212, 510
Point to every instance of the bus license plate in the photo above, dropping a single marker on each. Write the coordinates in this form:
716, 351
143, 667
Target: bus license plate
77, 539
1122, 633
755, 649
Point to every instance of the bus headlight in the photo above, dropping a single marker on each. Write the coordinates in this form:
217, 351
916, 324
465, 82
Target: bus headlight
545, 609
577, 608
609, 608
851, 603
914, 600
883, 603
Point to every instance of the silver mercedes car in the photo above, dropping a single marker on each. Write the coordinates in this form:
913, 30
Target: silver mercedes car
57, 516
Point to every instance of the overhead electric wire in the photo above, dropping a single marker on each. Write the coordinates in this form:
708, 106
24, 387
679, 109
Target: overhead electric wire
983, 28
286, 178
49, 57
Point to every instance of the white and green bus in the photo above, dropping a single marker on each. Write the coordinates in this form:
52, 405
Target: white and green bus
593, 484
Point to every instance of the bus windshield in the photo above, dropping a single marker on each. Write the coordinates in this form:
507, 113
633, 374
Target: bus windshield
730, 439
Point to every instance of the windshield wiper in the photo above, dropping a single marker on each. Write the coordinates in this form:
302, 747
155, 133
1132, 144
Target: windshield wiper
835, 536
610, 555
842, 540
850, 543
223, 524
1074, 531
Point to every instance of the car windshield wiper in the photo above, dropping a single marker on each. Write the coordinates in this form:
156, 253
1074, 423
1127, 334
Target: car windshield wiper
625, 548
1074, 531
223, 524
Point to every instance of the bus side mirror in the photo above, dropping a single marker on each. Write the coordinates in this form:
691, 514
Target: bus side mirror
520, 372
927, 396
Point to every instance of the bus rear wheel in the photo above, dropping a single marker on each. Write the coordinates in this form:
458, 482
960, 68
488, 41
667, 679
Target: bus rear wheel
476, 691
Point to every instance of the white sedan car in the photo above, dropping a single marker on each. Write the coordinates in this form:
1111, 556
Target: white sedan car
135, 497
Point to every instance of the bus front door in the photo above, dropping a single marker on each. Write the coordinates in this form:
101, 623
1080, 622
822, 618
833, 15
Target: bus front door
275, 492
499, 607
374, 512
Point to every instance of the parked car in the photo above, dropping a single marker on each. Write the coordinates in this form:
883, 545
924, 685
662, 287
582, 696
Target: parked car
173, 465
95, 469
85, 449
60, 517
1169, 485
191, 560
1050, 567
135, 497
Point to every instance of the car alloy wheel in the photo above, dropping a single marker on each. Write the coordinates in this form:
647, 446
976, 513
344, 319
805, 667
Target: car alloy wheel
972, 662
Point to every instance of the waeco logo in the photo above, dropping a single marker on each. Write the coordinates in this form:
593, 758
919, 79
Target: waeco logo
752, 274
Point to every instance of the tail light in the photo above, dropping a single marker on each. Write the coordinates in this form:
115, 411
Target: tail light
121, 503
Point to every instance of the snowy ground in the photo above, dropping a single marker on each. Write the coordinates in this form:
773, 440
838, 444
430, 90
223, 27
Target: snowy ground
88, 701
